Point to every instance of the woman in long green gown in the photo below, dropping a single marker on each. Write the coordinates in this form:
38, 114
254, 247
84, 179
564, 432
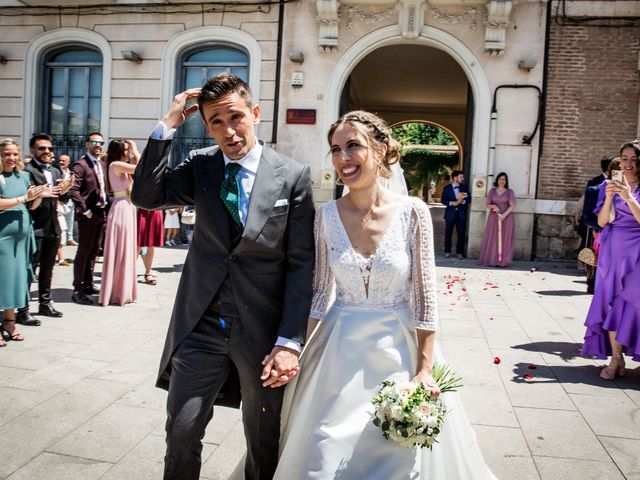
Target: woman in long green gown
17, 243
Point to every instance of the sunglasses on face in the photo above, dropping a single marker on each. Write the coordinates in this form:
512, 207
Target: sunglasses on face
97, 142
42, 149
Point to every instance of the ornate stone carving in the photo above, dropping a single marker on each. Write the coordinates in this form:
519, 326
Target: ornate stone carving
469, 14
495, 35
354, 11
327, 20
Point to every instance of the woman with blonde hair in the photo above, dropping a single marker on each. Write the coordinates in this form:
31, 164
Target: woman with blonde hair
17, 243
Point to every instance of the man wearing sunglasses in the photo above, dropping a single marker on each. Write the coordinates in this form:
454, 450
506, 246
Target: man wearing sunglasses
45, 223
90, 198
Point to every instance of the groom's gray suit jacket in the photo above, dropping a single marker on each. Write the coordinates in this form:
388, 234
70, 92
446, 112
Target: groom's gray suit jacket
270, 268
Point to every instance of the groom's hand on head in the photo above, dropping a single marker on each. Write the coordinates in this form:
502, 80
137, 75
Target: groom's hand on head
279, 367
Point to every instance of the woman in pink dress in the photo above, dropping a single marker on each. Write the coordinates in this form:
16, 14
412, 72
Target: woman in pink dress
120, 246
497, 244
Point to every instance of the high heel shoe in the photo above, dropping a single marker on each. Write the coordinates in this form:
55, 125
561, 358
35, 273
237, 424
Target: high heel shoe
10, 335
612, 372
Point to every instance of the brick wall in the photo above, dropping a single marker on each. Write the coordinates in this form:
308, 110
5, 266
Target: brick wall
593, 92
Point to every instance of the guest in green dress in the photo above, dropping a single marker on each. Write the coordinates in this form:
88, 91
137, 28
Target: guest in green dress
16, 236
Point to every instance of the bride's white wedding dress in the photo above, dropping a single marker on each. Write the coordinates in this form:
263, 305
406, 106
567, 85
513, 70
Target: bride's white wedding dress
368, 335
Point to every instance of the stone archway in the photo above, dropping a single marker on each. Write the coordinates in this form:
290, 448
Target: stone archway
478, 142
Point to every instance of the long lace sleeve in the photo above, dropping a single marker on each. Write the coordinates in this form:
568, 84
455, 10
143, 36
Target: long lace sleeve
423, 269
323, 281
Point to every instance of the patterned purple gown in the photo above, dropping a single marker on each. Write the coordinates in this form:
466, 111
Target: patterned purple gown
616, 302
489, 250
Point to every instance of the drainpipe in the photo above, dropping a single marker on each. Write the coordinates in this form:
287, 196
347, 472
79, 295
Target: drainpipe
276, 97
526, 140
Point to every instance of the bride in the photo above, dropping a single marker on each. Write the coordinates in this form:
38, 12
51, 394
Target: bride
375, 256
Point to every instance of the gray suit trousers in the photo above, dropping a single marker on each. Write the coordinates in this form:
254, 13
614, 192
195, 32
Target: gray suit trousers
200, 367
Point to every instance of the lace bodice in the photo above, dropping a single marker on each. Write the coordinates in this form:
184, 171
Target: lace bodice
401, 271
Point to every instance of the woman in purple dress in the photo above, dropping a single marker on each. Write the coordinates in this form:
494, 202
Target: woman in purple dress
497, 244
613, 321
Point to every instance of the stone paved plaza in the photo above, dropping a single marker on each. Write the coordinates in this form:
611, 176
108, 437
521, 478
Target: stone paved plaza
78, 400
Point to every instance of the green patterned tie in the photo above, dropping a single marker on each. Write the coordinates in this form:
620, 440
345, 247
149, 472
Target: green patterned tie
230, 194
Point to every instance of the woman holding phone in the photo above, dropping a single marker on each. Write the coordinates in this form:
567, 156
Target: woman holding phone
613, 321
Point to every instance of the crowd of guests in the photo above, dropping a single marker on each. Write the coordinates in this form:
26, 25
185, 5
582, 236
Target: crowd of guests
41, 201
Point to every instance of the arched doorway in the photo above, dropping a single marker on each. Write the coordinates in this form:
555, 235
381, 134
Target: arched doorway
433, 79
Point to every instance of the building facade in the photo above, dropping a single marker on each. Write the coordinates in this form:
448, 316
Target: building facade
538, 89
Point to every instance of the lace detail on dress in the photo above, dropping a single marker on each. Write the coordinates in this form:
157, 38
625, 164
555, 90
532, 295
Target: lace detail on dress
400, 272
323, 283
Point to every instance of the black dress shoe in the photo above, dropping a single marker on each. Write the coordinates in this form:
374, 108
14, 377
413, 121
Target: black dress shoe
25, 318
91, 291
47, 310
81, 298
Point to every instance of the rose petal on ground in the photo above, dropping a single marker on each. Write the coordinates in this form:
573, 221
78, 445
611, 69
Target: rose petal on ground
527, 376
496, 360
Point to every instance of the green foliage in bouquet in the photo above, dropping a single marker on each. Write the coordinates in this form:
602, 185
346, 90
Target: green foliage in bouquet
408, 414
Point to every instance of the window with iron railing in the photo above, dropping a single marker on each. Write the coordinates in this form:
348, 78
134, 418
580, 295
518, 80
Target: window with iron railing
72, 91
197, 64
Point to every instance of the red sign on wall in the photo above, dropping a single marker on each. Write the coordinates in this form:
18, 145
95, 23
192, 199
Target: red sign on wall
301, 116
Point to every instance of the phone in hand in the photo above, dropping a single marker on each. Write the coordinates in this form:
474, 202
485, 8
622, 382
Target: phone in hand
616, 175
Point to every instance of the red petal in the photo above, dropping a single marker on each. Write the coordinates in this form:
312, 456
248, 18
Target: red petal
490, 318
532, 367
496, 360
527, 376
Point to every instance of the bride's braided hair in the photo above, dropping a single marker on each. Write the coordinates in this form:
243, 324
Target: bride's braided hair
377, 132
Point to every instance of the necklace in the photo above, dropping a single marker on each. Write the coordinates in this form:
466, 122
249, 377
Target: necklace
366, 216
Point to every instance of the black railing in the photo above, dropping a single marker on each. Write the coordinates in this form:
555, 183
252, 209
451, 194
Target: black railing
181, 146
72, 145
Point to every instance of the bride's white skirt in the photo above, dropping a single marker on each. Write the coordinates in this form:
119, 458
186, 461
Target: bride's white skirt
327, 429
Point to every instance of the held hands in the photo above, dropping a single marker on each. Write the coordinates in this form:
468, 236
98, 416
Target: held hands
428, 381
178, 113
280, 366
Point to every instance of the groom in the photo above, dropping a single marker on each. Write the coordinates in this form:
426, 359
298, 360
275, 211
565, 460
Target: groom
244, 296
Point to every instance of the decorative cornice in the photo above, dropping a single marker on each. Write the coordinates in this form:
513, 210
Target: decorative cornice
495, 35
327, 20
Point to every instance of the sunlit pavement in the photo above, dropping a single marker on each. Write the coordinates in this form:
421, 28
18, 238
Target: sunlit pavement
78, 399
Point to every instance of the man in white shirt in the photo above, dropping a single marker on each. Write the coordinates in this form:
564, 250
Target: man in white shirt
243, 302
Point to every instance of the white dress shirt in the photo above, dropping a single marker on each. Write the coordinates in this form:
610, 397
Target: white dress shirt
247, 176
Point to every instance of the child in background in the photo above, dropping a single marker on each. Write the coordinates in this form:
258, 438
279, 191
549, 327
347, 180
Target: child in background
62, 210
171, 226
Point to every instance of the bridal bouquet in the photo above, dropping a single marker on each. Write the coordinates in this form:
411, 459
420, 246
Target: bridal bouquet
408, 414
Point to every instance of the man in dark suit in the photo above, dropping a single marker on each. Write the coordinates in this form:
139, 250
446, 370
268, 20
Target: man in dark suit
455, 197
45, 223
90, 198
245, 293
587, 219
